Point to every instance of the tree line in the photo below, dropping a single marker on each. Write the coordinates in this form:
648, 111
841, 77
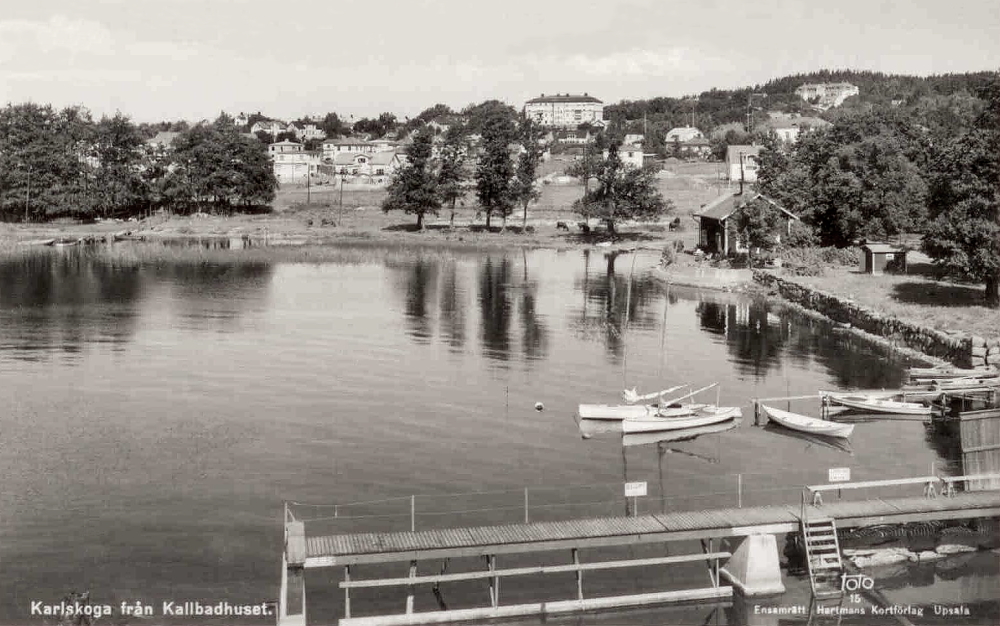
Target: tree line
61, 163
879, 173
502, 170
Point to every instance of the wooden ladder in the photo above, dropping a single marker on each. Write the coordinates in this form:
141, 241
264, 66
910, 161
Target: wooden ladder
823, 557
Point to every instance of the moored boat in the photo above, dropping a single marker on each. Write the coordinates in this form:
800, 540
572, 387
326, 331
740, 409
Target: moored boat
875, 404
943, 373
701, 417
841, 444
808, 424
680, 434
633, 411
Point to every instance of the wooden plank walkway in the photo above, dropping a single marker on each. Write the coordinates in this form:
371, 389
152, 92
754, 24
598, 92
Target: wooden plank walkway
331, 550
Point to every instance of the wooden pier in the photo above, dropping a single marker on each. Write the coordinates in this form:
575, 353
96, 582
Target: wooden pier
407, 548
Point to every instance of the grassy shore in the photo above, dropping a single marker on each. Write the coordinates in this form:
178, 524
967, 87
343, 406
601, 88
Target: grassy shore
323, 214
916, 296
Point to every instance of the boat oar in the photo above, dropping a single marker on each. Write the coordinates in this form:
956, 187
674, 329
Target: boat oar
695, 392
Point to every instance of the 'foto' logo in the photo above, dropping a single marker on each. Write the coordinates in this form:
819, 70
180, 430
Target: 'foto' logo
853, 582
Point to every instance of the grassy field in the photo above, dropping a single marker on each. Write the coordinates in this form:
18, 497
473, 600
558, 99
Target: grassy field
915, 297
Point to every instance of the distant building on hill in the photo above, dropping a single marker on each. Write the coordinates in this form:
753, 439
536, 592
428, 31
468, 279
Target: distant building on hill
682, 134
789, 127
565, 110
825, 96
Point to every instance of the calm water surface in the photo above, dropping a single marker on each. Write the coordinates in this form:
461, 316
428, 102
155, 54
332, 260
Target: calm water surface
157, 415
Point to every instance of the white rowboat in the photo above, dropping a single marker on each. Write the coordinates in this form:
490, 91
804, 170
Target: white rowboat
873, 404
700, 417
808, 424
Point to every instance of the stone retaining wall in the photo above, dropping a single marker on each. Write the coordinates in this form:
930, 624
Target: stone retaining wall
958, 349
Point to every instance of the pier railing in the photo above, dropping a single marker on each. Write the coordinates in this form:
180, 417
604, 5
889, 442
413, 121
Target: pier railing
429, 511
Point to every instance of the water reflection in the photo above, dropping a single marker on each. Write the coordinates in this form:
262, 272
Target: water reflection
419, 291
754, 336
495, 307
62, 300
452, 311
610, 298
506, 300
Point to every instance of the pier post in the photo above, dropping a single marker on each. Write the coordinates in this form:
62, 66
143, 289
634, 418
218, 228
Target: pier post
579, 574
409, 590
753, 568
292, 602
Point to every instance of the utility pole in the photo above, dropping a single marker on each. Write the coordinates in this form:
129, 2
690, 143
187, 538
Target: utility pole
340, 221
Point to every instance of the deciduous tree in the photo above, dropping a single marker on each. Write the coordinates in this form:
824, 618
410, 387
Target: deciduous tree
495, 171
963, 236
453, 172
525, 191
623, 192
414, 189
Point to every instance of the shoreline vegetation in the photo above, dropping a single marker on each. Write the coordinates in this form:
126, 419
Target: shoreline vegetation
323, 232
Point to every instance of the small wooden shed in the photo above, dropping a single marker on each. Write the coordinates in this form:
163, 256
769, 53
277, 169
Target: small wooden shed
882, 257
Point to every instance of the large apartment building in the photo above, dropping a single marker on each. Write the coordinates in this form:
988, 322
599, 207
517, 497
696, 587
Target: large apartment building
565, 110
826, 95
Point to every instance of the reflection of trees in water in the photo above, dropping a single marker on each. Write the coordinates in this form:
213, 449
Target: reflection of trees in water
759, 338
606, 299
500, 289
214, 294
60, 300
452, 312
495, 306
753, 338
534, 335
419, 290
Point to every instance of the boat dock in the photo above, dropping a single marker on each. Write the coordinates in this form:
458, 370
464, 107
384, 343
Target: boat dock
752, 567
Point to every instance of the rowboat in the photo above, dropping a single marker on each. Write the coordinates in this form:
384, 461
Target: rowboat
680, 434
841, 444
874, 404
65, 243
942, 373
701, 417
808, 424
634, 411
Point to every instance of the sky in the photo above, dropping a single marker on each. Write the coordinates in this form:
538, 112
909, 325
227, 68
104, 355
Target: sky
192, 59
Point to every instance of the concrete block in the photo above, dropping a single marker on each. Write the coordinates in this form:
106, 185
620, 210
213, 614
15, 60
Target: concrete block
978, 341
978, 351
754, 567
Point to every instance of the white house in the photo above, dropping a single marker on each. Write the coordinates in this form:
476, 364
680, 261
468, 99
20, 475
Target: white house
682, 134
564, 110
826, 95
273, 127
630, 155
742, 163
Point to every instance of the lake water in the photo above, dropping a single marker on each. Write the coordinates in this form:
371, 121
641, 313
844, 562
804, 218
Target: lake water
158, 413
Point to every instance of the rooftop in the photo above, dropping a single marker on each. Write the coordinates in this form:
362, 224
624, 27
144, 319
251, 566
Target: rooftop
543, 99
725, 205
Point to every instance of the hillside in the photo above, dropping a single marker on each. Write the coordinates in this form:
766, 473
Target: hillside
721, 106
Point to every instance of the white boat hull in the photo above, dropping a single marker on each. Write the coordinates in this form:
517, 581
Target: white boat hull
632, 411
872, 404
700, 417
808, 424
